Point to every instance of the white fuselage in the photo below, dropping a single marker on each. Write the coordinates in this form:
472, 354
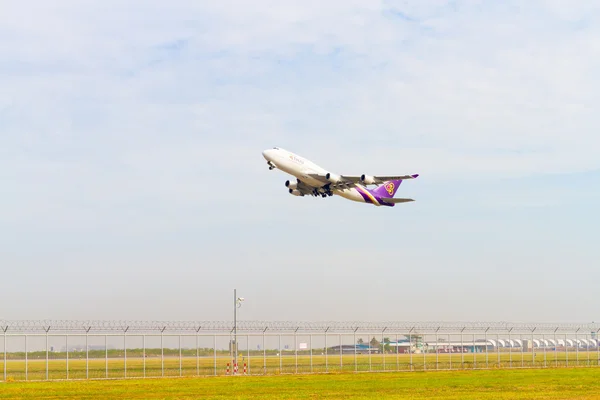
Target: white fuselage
301, 168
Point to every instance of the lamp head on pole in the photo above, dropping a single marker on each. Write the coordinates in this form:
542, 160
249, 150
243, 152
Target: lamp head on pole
238, 302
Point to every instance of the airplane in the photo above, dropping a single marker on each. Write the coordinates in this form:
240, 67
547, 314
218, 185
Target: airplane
313, 180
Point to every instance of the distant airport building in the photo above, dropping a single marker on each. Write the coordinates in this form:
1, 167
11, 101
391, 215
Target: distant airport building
419, 345
482, 345
353, 348
404, 346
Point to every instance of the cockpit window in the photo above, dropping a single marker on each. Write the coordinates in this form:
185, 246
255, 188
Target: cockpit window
276, 148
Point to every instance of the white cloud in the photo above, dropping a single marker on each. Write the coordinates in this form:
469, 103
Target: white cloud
459, 89
478, 77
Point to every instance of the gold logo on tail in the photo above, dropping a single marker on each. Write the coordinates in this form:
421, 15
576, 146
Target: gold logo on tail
390, 188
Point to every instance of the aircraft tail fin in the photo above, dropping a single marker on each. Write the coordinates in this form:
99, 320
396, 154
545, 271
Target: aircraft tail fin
387, 189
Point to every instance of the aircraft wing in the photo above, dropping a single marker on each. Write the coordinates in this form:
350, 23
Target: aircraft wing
349, 180
379, 178
303, 188
340, 184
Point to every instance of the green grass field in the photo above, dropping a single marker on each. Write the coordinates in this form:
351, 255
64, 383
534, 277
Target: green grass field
559, 383
273, 365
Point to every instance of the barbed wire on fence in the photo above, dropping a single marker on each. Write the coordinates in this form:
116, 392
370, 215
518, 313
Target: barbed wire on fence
130, 326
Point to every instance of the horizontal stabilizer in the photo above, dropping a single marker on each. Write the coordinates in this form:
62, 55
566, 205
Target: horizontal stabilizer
396, 200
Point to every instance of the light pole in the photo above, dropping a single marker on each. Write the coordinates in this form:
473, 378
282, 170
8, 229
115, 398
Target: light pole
237, 303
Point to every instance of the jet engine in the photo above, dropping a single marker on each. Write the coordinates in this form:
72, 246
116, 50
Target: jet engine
333, 178
290, 185
367, 179
296, 192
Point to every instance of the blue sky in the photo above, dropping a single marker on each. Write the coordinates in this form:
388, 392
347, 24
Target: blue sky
134, 187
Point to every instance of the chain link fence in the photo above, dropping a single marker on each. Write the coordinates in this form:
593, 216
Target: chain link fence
53, 350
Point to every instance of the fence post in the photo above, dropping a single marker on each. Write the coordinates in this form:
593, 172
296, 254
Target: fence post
47, 374
451, 349
341, 355
144, 352
577, 347
248, 351
397, 354
4, 332
566, 350
383, 347
462, 349
509, 349
437, 352
498, 348
424, 353
180, 369
215, 352
545, 345
67, 346
311, 352
587, 349
326, 361
264, 352
162, 352
354, 341
474, 353
555, 349
523, 351
597, 348
369, 347
106, 355
197, 354
532, 348
409, 348
125, 349
487, 365
296, 347
26, 358
87, 354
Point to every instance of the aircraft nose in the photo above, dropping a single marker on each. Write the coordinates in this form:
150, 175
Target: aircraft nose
266, 154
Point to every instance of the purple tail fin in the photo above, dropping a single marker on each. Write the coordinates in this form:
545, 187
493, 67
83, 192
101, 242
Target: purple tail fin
388, 189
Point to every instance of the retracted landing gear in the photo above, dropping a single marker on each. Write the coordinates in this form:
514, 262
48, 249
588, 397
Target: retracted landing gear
323, 192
